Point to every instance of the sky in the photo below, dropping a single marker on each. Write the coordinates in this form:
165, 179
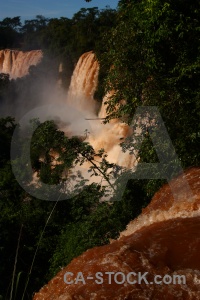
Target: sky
28, 9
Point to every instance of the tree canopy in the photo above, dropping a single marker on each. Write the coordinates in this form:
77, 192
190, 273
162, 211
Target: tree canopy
153, 60
149, 56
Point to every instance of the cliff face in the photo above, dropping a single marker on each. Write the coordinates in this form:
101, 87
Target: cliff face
16, 63
164, 241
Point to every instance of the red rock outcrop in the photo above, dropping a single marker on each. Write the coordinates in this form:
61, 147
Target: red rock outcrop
168, 245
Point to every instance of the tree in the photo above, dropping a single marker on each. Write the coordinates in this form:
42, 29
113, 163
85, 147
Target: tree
154, 56
10, 32
32, 31
4, 85
71, 222
13, 23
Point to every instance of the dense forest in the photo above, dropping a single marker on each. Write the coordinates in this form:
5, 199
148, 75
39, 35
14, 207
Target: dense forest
63, 37
149, 55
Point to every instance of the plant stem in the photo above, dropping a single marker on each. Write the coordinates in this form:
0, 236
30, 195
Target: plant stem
41, 236
15, 264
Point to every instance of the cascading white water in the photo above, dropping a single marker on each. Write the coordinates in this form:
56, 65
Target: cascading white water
84, 82
16, 63
107, 136
162, 241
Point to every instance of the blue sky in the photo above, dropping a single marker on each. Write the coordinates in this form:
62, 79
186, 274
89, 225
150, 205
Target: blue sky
28, 9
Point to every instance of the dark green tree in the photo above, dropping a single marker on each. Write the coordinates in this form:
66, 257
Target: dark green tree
13, 23
10, 36
153, 60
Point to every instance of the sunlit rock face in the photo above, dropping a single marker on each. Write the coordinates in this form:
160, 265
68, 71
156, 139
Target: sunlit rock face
16, 63
166, 246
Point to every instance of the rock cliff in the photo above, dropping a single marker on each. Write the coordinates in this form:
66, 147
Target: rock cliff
162, 243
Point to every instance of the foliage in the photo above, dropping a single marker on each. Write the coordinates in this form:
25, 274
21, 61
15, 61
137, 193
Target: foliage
4, 85
9, 32
154, 54
32, 31
149, 54
75, 225
95, 223
63, 38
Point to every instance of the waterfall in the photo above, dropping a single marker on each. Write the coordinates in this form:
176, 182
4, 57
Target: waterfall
84, 81
81, 95
16, 63
163, 241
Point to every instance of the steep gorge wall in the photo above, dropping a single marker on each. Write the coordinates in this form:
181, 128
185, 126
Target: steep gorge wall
16, 63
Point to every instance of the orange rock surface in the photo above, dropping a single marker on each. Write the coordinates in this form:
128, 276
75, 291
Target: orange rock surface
164, 240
